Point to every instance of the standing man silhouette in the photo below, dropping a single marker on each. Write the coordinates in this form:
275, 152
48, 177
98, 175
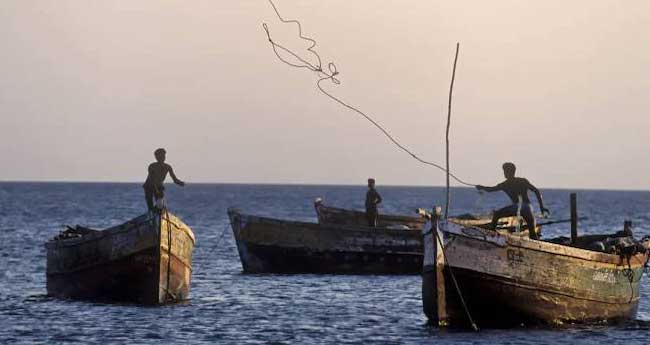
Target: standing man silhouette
372, 200
153, 187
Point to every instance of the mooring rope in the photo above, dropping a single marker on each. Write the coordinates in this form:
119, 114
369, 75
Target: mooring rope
169, 254
331, 75
216, 245
453, 279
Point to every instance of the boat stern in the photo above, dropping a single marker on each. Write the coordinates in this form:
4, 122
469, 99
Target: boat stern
175, 258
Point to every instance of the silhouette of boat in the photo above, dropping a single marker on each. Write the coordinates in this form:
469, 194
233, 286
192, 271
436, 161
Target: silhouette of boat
125, 263
507, 279
267, 245
340, 216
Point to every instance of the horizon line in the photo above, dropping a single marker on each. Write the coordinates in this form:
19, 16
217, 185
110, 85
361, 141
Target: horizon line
309, 184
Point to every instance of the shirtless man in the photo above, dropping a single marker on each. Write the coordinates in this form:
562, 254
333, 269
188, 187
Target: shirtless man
153, 186
516, 187
372, 200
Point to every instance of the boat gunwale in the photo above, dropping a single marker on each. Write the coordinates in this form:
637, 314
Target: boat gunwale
386, 215
319, 226
111, 231
554, 248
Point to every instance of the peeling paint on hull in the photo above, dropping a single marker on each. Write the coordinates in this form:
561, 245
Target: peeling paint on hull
126, 263
268, 245
508, 280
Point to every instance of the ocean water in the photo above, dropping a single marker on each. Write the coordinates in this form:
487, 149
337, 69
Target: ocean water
228, 307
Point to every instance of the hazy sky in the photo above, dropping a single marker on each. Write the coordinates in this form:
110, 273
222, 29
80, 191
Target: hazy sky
88, 89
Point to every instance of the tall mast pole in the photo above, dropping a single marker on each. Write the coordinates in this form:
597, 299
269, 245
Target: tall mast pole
451, 90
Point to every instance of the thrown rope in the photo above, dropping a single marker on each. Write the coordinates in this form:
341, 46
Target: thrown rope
331, 75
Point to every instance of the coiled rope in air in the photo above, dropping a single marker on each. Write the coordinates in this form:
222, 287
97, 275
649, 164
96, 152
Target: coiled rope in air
331, 75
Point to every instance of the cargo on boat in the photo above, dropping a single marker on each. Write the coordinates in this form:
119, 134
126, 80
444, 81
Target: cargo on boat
339, 216
507, 279
269, 245
147, 260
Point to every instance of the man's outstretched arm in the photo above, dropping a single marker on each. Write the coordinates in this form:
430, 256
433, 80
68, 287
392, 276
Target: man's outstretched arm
488, 189
174, 178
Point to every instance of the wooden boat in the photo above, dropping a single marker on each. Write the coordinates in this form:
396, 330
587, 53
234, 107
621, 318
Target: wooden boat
126, 263
506, 279
268, 245
340, 216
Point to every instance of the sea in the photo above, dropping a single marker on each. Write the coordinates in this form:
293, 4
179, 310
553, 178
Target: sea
229, 307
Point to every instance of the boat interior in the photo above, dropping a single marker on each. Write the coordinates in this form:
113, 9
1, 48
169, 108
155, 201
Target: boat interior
620, 243
73, 232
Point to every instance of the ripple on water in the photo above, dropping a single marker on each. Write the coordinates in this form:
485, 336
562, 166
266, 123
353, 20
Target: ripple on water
230, 307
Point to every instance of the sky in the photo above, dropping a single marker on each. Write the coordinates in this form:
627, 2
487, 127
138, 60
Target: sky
89, 89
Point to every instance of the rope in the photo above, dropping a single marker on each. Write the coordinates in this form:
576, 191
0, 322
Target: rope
331, 75
223, 232
169, 253
629, 273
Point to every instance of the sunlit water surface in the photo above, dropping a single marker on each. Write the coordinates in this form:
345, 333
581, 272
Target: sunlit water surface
227, 306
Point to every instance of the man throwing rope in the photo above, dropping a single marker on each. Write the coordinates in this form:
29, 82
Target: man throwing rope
517, 190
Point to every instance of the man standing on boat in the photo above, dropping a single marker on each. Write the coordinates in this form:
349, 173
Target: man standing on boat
372, 200
153, 187
517, 190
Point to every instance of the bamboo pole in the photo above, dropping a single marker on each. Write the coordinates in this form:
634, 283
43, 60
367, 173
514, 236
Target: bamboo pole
574, 218
451, 90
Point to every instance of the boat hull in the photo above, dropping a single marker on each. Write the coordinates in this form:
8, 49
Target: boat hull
508, 280
502, 302
274, 246
128, 263
276, 259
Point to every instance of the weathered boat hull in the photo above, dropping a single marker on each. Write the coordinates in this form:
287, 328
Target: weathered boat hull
338, 216
127, 263
268, 245
501, 302
508, 280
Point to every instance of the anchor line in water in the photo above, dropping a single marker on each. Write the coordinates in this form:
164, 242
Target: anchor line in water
169, 255
331, 75
199, 267
453, 278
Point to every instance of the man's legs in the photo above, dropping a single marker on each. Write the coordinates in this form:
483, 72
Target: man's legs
507, 211
371, 216
159, 198
148, 196
529, 217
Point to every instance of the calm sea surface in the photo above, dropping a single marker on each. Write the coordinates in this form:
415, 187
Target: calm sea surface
230, 307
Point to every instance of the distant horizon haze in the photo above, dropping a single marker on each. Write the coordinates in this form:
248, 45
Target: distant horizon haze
271, 183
